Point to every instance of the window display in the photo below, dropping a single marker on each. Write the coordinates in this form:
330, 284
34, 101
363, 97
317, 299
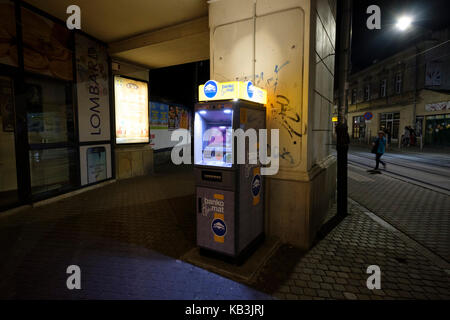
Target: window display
49, 111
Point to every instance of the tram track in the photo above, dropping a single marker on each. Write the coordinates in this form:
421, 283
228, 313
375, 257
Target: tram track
403, 177
440, 174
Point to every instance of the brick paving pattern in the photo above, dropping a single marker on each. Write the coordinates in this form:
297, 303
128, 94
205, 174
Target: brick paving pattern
113, 234
336, 267
128, 238
421, 213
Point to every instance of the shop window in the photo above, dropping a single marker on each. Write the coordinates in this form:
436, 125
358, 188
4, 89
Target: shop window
8, 46
359, 127
50, 123
49, 111
398, 83
383, 86
367, 93
437, 130
52, 169
390, 123
47, 46
353, 96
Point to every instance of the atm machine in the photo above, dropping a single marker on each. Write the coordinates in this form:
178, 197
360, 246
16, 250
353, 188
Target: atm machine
230, 196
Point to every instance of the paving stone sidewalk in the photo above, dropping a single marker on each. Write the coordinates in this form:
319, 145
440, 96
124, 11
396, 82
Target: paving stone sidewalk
421, 213
128, 238
336, 267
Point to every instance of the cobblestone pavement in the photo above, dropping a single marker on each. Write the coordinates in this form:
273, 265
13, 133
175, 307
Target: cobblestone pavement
126, 237
336, 267
421, 213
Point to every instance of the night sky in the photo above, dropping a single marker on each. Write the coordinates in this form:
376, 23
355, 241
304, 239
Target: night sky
369, 45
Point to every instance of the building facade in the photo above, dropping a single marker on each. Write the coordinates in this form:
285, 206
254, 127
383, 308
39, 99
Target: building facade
408, 89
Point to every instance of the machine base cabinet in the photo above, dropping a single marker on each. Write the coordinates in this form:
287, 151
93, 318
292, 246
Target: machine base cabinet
216, 220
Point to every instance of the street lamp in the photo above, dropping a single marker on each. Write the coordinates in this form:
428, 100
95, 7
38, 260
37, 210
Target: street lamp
403, 23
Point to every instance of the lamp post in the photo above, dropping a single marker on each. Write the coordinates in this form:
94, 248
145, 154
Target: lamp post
342, 138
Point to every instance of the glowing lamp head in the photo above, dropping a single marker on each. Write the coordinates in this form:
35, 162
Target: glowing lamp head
202, 112
403, 23
227, 111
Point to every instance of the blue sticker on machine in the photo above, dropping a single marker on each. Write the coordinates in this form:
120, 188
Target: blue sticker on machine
218, 227
250, 89
210, 89
256, 185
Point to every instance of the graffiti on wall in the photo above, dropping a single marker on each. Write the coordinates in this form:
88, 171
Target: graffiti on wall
282, 112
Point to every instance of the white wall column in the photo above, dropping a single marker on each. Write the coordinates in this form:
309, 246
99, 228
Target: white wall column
288, 48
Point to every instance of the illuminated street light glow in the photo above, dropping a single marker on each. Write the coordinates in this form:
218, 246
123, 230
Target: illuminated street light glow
403, 23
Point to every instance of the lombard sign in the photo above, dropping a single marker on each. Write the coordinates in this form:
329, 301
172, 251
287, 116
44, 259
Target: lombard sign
92, 90
213, 90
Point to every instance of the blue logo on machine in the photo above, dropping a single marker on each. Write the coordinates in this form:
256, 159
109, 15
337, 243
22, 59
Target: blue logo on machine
210, 89
250, 89
218, 227
256, 185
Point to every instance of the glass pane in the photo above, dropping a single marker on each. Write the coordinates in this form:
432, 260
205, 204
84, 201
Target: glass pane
213, 137
8, 173
396, 126
8, 46
52, 169
49, 111
47, 47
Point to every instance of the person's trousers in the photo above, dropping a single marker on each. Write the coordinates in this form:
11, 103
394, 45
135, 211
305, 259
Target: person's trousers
378, 160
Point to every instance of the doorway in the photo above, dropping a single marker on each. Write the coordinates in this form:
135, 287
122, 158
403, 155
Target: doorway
390, 123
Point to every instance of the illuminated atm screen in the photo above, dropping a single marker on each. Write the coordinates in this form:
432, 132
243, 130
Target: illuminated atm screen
213, 137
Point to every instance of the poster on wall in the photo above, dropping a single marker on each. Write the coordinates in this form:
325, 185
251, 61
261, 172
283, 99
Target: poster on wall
131, 103
92, 90
159, 113
173, 118
46, 46
164, 119
8, 46
178, 118
95, 163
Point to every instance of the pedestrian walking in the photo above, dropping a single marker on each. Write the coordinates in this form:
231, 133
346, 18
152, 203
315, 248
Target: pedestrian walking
412, 136
406, 136
378, 148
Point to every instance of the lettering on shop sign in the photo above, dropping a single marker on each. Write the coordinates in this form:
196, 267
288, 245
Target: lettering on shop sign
94, 92
74, 20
